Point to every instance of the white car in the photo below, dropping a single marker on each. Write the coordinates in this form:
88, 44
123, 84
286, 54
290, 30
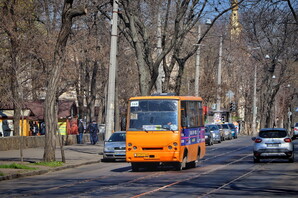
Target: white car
115, 147
273, 143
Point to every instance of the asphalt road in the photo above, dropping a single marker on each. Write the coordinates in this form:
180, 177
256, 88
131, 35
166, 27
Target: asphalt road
227, 170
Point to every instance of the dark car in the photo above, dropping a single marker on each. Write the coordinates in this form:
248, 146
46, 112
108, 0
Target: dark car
214, 130
233, 130
295, 132
115, 147
273, 143
208, 137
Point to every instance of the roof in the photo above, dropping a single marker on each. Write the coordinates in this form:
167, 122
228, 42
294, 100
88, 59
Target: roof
10, 113
65, 109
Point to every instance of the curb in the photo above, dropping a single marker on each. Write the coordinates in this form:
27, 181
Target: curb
41, 172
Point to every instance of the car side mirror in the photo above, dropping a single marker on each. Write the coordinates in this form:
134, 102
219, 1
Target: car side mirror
253, 138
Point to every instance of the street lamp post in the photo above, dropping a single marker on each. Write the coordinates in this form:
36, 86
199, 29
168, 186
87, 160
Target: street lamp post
289, 111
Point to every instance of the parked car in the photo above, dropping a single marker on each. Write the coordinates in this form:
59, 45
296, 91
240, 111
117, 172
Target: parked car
295, 134
227, 131
273, 143
208, 137
222, 134
214, 130
234, 130
115, 147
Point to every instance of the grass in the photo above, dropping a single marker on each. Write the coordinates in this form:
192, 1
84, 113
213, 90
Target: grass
16, 166
51, 164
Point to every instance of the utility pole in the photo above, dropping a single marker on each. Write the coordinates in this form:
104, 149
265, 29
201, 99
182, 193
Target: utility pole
219, 75
109, 127
160, 68
197, 76
254, 103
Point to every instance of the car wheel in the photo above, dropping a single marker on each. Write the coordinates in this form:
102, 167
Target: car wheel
180, 165
192, 164
291, 159
209, 143
256, 160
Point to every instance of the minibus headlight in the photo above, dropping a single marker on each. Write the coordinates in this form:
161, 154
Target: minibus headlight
129, 144
175, 144
134, 148
170, 147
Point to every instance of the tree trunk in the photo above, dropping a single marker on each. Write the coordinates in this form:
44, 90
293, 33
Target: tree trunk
51, 119
15, 88
181, 63
80, 87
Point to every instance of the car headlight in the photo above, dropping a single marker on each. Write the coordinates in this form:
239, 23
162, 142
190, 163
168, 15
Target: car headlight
108, 148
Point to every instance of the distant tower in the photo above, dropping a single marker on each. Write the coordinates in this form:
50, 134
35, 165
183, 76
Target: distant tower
234, 20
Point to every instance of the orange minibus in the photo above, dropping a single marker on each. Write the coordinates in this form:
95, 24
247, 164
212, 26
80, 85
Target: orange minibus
165, 129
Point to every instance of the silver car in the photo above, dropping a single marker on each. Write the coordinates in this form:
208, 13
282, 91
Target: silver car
114, 148
273, 143
227, 132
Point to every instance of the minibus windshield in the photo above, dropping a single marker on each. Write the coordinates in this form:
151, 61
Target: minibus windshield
153, 115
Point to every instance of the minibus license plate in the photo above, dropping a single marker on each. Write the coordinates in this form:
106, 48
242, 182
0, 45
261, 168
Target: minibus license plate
141, 154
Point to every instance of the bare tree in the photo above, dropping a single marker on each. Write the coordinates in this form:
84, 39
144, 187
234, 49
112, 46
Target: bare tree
179, 17
68, 14
16, 21
270, 29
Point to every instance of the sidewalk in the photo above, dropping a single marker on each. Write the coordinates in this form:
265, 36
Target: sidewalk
76, 155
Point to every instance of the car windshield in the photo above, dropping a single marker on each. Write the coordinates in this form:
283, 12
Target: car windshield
225, 126
273, 134
155, 115
232, 126
117, 137
212, 127
296, 125
207, 130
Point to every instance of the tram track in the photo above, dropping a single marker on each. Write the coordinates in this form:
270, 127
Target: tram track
178, 181
204, 169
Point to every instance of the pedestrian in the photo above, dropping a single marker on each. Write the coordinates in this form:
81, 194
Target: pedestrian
81, 132
93, 130
42, 130
35, 129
